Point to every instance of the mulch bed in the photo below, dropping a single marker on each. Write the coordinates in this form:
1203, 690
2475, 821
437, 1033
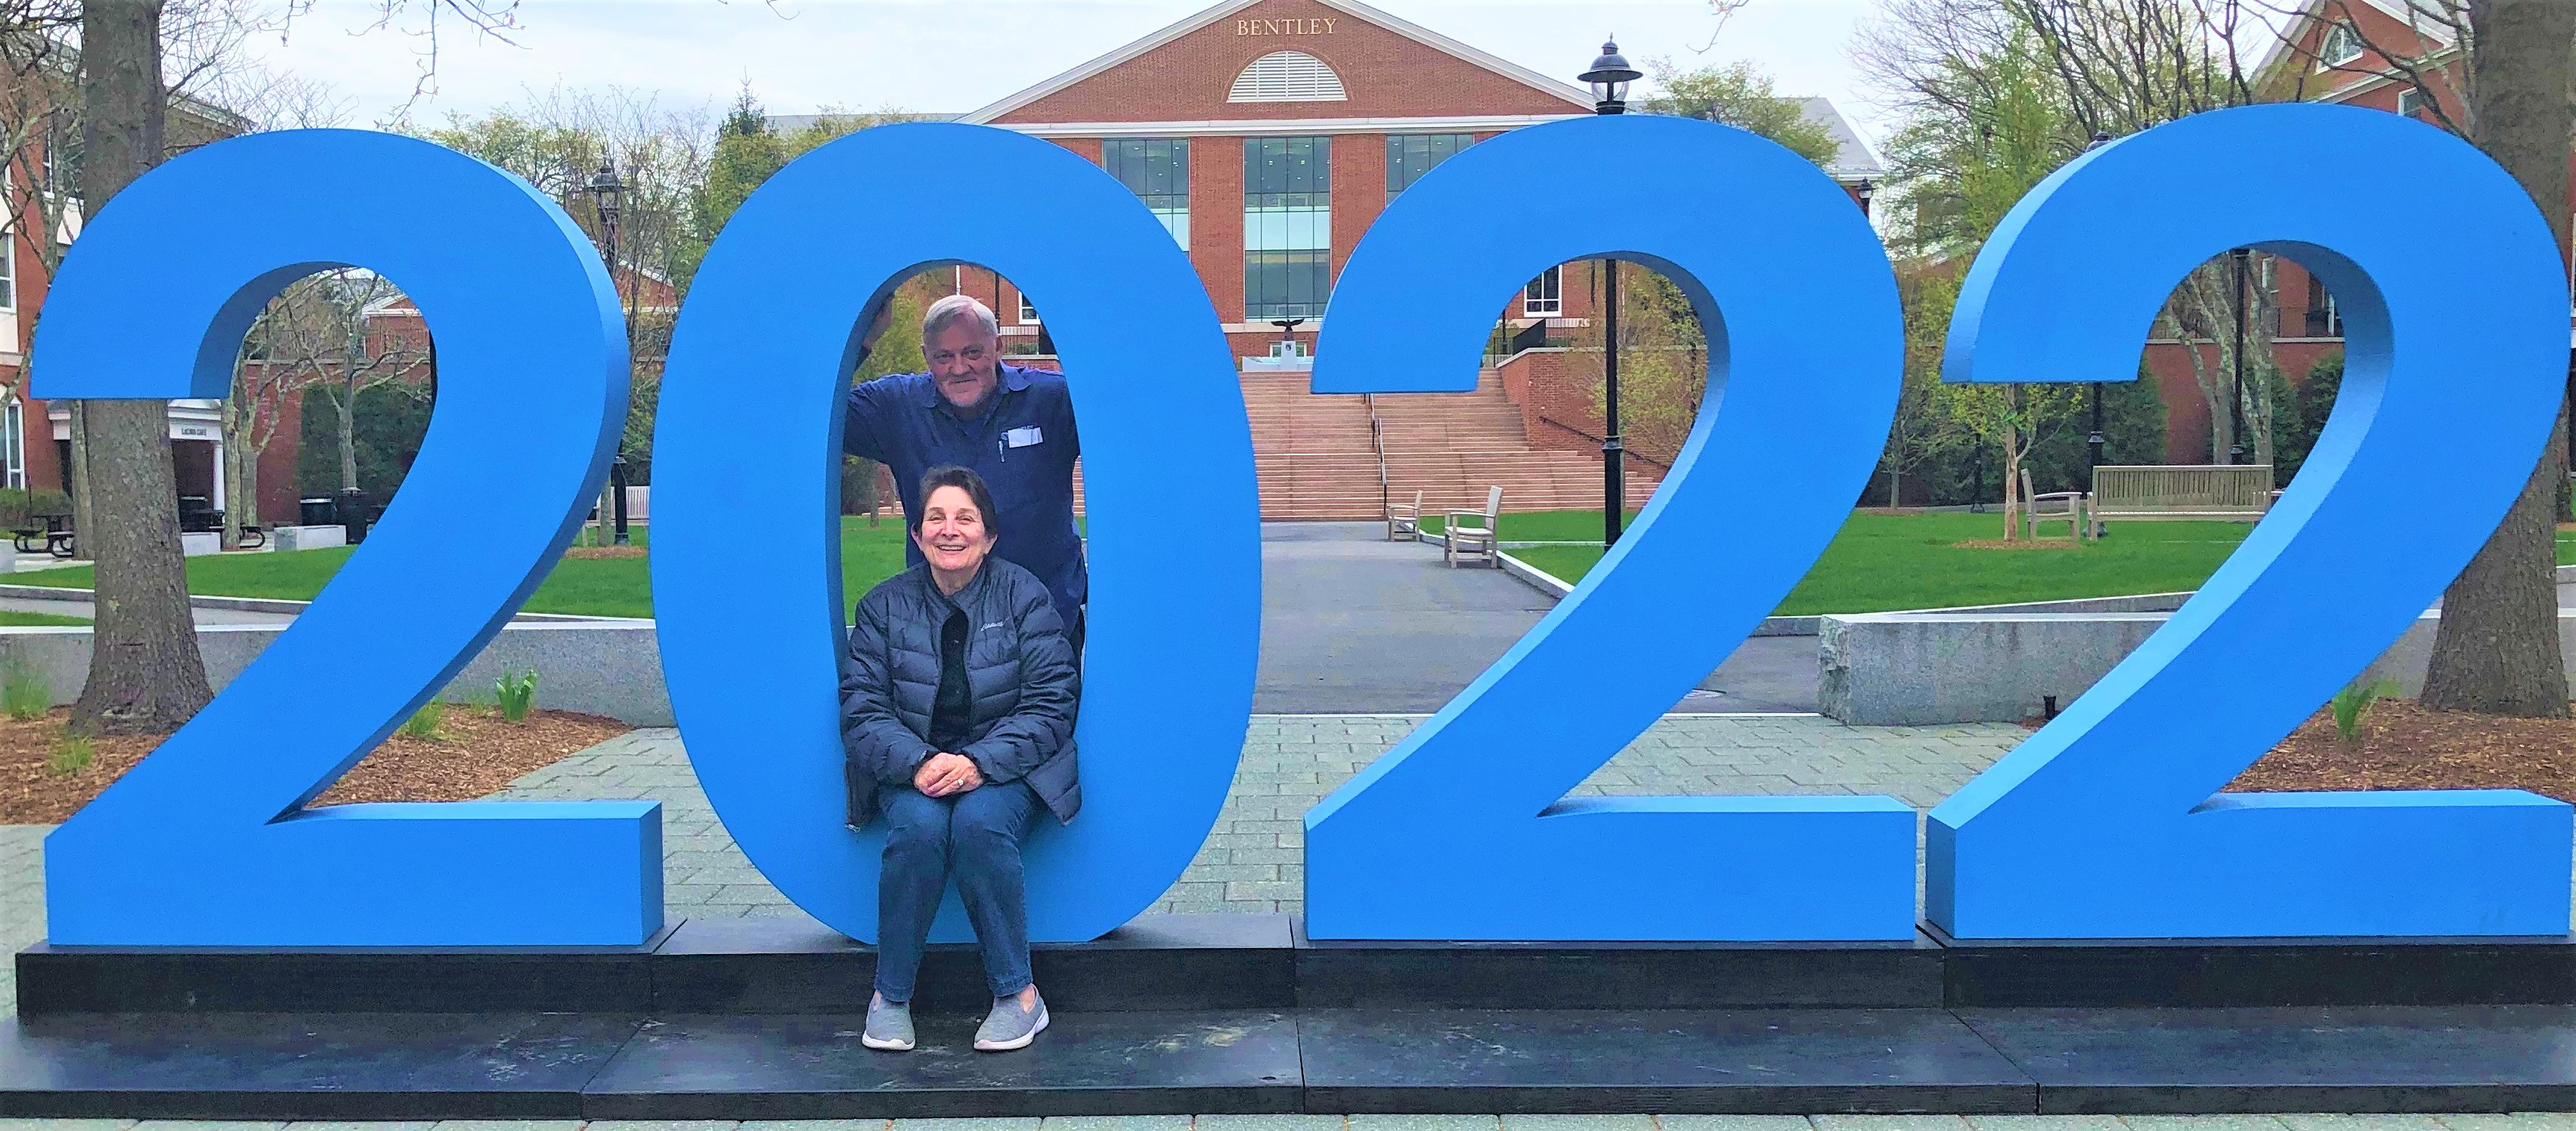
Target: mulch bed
2406, 745
588, 552
475, 754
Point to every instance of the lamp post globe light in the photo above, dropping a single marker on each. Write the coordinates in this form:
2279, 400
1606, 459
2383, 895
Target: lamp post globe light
1609, 79
605, 189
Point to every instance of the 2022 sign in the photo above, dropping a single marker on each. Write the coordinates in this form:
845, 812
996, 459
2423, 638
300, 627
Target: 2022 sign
2101, 825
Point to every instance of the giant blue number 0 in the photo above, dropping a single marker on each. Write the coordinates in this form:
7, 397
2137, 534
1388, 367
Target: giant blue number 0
751, 410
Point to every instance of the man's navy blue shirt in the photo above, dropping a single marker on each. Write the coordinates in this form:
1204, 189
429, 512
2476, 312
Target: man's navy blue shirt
1023, 445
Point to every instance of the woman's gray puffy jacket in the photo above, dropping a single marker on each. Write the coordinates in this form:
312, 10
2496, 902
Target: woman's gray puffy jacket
1020, 676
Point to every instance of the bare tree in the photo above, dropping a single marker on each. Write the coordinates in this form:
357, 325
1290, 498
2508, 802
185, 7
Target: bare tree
145, 671
146, 674
262, 387
2495, 650
2495, 72
322, 334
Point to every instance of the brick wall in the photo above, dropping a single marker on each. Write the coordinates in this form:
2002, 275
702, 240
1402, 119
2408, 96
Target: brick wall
1384, 73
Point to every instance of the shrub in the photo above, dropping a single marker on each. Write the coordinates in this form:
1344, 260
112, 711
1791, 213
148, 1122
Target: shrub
24, 692
517, 695
2352, 707
426, 722
72, 753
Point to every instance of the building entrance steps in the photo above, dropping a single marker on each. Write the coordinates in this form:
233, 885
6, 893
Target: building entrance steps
1316, 458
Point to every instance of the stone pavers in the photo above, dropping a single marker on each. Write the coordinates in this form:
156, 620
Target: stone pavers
1253, 860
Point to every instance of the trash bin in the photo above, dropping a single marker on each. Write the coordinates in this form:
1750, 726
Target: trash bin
315, 511
353, 515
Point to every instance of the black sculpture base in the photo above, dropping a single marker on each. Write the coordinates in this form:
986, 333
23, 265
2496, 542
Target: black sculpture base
741, 1019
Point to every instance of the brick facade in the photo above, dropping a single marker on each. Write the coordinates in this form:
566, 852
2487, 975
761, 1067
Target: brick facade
1385, 73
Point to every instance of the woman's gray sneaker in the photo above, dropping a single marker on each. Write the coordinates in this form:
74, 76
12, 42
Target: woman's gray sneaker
1009, 1026
889, 1026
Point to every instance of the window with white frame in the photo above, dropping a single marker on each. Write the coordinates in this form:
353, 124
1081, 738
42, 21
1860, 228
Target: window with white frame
13, 447
2409, 101
1028, 310
2340, 46
9, 268
1287, 76
1157, 170
1545, 295
1287, 226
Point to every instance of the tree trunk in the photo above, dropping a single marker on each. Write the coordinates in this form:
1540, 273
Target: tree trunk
241, 488
145, 675
348, 425
2496, 648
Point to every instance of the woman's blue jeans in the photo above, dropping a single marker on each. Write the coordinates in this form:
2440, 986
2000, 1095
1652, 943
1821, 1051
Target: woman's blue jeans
976, 836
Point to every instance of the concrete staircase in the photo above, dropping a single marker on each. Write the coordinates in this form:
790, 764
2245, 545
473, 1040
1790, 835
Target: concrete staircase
1317, 461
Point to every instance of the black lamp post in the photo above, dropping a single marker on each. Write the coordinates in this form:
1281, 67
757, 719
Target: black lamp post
1865, 191
2093, 443
1609, 79
605, 189
2236, 400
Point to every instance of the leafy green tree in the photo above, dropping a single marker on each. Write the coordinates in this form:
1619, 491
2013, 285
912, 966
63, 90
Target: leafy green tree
1738, 95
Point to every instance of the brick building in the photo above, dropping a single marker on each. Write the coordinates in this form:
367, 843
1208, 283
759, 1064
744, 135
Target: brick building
1268, 135
44, 214
2339, 51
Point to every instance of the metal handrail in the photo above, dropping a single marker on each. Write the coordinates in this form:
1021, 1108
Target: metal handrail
1377, 439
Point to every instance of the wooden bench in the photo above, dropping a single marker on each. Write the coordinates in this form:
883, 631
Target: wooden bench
1461, 539
1404, 521
2055, 506
2193, 491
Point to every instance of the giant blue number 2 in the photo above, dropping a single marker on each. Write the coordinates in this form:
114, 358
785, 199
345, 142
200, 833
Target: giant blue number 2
207, 841
1462, 830
750, 428
2103, 824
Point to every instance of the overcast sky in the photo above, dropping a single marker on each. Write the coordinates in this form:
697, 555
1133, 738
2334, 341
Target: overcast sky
801, 55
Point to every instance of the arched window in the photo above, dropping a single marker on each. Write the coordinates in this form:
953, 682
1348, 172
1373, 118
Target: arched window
1287, 76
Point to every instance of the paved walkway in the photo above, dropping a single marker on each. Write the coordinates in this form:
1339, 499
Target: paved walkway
1253, 860
1353, 623
1250, 865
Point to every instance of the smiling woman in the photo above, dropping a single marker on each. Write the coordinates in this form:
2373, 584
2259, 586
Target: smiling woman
958, 706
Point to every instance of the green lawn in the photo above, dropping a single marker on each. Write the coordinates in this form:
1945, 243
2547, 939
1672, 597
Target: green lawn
599, 587
10, 619
1882, 562
1539, 526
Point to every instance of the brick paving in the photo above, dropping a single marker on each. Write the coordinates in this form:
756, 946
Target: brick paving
1250, 865
1252, 861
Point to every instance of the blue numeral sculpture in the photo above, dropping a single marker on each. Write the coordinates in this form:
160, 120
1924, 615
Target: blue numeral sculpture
2104, 824
207, 842
1464, 830
749, 438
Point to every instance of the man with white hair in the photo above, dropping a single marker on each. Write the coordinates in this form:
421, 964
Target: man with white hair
1013, 426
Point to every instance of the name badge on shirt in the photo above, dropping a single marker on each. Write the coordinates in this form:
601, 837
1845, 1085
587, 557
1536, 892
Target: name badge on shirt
1023, 437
